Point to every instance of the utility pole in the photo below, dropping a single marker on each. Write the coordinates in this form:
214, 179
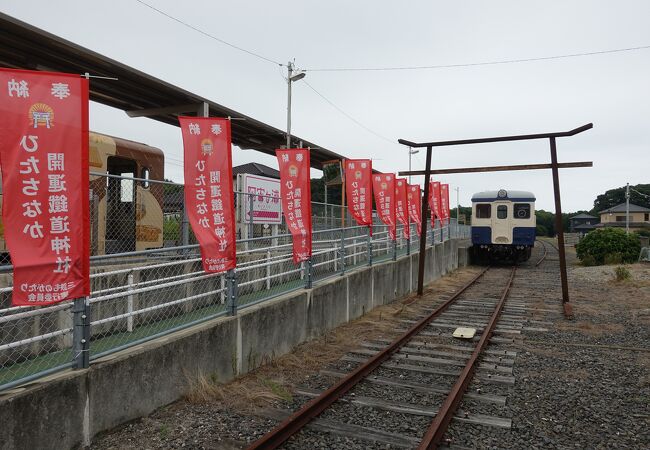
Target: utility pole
457, 212
411, 153
627, 209
290, 78
289, 73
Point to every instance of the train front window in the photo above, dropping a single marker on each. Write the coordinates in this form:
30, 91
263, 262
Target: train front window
522, 210
502, 212
483, 211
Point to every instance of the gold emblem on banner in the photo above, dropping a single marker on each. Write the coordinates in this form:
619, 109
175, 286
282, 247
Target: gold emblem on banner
293, 171
41, 114
206, 147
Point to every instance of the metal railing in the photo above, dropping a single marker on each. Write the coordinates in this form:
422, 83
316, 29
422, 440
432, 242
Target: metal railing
141, 294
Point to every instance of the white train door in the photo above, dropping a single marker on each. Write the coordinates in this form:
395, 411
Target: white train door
501, 229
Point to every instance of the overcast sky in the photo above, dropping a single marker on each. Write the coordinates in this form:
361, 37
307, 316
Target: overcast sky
611, 90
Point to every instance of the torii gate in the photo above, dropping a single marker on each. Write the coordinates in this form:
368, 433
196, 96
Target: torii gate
554, 166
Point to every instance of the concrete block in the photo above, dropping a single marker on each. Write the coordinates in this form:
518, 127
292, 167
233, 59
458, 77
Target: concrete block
402, 271
359, 292
383, 280
272, 328
327, 306
154, 374
49, 416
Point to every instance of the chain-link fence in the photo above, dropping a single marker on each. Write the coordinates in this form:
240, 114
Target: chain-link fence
147, 279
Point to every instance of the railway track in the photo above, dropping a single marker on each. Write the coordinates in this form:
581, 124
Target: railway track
435, 368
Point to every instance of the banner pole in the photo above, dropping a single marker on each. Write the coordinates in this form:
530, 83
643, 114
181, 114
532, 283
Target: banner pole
81, 333
370, 245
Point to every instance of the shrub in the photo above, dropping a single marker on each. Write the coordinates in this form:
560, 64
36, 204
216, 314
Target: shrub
622, 273
588, 261
614, 258
610, 243
643, 233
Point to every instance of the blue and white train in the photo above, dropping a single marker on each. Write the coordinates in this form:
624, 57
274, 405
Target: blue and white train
503, 225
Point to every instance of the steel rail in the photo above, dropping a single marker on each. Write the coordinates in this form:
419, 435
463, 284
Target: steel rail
438, 427
313, 408
544, 255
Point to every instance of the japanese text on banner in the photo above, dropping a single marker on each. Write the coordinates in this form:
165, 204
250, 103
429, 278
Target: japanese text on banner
401, 205
295, 191
434, 202
444, 202
415, 205
383, 186
45, 213
209, 196
358, 187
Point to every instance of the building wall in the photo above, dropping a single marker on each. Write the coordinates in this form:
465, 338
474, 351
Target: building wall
634, 217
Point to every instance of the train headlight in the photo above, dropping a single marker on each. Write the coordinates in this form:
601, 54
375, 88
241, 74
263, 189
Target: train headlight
502, 193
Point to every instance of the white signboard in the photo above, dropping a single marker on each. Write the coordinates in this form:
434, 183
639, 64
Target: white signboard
265, 194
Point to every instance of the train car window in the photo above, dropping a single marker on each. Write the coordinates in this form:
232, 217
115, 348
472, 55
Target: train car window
483, 211
522, 210
126, 188
144, 174
502, 212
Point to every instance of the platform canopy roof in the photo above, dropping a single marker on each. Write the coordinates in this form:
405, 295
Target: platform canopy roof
137, 93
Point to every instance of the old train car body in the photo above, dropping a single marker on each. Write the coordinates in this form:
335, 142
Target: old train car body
125, 215
503, 225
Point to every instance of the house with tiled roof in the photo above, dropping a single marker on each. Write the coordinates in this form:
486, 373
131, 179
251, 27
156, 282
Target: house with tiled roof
616, 217
582, 223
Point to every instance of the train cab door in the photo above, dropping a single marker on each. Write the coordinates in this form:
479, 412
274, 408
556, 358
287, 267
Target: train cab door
120, 206
501, 229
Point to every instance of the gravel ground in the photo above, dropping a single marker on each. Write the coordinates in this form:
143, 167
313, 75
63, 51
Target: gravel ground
585, 396
572, 390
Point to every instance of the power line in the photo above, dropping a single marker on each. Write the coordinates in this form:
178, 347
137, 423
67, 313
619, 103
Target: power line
349, 116
484, 63
236, 47
640, 193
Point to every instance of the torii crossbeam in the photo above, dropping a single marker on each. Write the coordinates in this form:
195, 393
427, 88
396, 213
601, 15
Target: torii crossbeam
554, 166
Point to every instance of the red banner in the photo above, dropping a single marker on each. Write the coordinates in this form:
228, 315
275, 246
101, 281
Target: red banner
434, 202
45, 210
295, 190
384, 188
444, 202
415, 205
358, 188
209, 198
401, 205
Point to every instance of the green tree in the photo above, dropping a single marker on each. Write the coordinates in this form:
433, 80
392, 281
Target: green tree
616, 196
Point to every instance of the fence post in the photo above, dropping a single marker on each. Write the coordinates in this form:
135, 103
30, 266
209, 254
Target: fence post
129, 304
268, 270
408, 242
81, 333
185, 228
394, 249
342, 251
251, 230
369, 246
223, 289
232, 292
309, 274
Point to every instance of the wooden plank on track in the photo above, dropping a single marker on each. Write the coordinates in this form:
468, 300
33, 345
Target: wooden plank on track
480, 419
346, 429
378, 403
453, 347
421, 387
481, 373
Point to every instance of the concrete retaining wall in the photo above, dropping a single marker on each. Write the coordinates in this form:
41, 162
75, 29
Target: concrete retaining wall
67, 409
